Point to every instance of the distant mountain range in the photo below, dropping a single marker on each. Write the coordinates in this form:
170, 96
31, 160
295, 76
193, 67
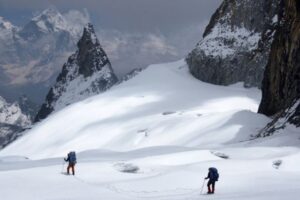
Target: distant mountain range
32, 56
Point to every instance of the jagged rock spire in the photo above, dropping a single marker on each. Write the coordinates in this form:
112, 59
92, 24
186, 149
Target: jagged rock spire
86, 73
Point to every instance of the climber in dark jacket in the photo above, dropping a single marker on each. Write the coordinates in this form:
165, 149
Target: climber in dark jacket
213, 176
71, 158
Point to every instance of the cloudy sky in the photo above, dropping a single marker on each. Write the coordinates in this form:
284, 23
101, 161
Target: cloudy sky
166, 29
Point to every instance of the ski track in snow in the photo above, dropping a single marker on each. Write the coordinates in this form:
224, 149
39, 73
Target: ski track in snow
171, 128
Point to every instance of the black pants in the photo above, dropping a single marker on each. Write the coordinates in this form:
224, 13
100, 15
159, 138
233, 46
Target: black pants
71, 166
211, 186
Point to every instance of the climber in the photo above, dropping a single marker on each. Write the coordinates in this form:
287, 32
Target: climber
213, 176
71, 158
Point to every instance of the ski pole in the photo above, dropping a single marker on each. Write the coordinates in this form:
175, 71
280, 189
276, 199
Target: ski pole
63, 166
202, 186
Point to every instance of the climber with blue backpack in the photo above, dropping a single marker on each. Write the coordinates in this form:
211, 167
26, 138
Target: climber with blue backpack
71, 158
213, 176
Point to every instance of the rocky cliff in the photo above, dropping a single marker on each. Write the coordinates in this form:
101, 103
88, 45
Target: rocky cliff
281, 84
86, 73
236, 43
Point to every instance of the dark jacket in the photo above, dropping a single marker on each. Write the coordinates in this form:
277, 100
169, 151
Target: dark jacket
71, 158
212, 174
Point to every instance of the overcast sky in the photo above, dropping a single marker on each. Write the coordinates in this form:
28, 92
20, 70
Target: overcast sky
134, 15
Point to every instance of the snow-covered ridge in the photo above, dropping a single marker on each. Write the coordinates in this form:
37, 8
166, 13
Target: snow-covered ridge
80, 88
86, 73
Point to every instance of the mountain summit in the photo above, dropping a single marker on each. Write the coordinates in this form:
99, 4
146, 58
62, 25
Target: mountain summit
87, 72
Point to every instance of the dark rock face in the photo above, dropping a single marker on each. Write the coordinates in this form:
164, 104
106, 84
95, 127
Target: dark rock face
281, 84
236, 43
87, 72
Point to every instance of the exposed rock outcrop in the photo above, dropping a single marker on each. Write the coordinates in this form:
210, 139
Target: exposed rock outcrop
281, 84
236, 43
87, 72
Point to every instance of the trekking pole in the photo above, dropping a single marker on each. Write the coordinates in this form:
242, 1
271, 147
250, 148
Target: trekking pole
202, 186
63, 166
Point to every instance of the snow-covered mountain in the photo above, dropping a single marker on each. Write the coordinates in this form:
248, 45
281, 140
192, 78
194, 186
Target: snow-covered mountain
154, 135
6, 29
12, 121
86, 73
31, 56
236, 43
11, 113
47, 22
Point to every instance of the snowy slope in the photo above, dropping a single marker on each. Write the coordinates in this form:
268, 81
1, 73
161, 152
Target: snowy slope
163, 105
166, 128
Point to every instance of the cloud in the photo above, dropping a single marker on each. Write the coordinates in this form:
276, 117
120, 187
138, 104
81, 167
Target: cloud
131, 50
157, 43
77, 19
128, 50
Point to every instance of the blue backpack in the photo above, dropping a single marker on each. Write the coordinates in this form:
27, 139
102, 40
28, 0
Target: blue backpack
214, 174
72, 157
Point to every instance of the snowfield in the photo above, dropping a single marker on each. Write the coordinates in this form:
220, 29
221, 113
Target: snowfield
154, 137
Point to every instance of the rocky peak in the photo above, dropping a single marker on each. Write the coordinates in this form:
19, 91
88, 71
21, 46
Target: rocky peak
47, 22
89, 37
91, 56
86, 73
243, 14
50, 20
236, 43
